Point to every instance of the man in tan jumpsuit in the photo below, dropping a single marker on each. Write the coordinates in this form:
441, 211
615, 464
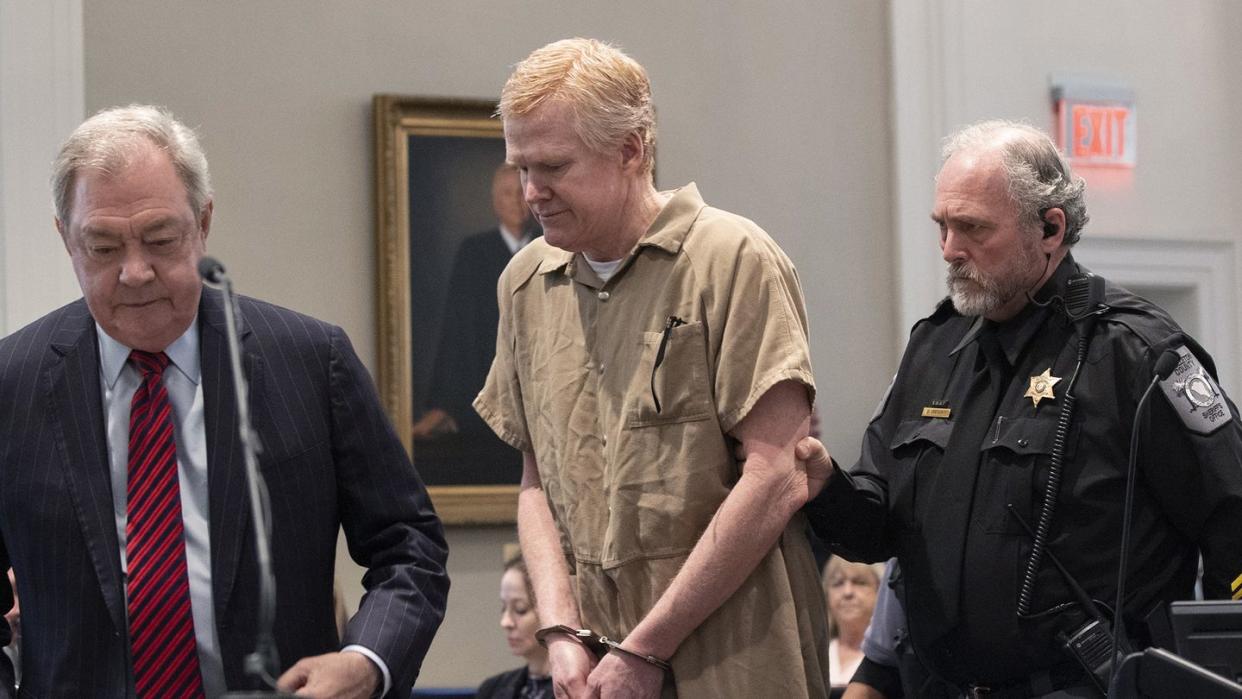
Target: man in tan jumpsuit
647, 343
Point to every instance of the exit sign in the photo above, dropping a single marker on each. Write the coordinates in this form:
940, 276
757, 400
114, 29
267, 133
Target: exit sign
1096, 122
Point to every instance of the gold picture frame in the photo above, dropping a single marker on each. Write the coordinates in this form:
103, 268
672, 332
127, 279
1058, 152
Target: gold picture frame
424, 150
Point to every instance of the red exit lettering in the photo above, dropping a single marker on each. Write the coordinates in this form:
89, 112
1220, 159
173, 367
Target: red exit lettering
1099, 133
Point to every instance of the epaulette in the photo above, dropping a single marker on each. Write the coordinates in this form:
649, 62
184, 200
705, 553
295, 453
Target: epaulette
943, 308
1151, 324
944, 311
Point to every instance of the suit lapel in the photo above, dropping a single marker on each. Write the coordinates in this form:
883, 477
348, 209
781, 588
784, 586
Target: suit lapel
226, 467
73, 391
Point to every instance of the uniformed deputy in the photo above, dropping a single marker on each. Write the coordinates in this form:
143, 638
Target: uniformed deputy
967, 463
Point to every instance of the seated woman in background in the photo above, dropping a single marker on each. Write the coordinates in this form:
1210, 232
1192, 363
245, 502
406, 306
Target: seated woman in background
519, 620
851, 591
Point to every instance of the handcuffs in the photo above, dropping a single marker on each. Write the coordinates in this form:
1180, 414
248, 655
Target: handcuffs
597, 643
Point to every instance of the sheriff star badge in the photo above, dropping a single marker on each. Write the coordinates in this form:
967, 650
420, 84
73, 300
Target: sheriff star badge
1041, 387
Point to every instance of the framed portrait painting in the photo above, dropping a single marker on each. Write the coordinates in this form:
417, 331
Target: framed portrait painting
439, 191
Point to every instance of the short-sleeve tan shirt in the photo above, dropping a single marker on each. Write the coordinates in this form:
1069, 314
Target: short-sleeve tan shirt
625, 392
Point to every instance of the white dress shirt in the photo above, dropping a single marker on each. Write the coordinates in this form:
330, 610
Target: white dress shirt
183, 381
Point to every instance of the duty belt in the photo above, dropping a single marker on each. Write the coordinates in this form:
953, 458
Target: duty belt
1035, 685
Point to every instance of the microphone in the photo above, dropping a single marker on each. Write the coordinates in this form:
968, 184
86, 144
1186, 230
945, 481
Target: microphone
210, 269
264, 663
1163, 368
1166, 364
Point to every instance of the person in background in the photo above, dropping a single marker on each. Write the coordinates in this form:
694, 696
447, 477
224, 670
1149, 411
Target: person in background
850, 589
520, 620
889, 669
468, 334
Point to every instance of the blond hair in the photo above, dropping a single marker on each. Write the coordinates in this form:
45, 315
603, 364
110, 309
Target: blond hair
608, 92
837, 565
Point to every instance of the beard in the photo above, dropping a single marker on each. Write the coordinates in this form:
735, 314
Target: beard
976, 293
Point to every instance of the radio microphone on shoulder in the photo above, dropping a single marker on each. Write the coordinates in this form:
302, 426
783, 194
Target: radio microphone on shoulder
1162, 369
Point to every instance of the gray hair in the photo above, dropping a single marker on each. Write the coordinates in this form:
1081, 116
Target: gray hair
1039, 178
110, 140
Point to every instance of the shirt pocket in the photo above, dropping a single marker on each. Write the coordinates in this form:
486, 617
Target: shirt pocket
1020, 449
918, 446
679, 383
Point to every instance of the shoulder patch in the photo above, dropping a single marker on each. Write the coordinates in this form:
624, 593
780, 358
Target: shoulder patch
1195, 395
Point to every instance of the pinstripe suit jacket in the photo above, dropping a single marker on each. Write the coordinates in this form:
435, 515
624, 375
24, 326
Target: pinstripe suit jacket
330, 459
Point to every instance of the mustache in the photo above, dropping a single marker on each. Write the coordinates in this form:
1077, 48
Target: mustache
963, 271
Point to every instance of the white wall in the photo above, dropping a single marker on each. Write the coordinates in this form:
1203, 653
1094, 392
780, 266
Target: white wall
777, 110
40, 103
958, 61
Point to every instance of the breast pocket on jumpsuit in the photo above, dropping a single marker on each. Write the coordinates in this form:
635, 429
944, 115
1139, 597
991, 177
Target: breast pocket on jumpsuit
670, 384
666, 485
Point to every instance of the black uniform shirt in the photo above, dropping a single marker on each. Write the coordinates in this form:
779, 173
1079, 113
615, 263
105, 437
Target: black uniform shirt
1188, 495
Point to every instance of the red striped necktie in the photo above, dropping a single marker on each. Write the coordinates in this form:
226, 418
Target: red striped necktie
161, 621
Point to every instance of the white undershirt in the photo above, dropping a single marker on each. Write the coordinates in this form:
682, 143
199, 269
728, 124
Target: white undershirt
604, 270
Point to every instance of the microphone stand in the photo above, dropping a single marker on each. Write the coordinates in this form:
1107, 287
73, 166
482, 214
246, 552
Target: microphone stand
1164, 367
263, 663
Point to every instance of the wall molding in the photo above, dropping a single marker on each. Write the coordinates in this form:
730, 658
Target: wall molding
1204, 268
41, 78
926, 102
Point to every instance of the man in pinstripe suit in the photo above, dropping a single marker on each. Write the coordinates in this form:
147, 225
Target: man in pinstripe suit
133, 206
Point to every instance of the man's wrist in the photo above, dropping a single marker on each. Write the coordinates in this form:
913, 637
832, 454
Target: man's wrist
646, 642
833, 483
596, 643
639, 655
548, 633
377, 664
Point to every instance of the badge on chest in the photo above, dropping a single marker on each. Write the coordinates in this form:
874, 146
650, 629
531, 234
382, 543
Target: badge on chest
1041, 387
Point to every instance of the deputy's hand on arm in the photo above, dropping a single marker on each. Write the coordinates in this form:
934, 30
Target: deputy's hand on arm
346, 675
814, 459
621, 676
